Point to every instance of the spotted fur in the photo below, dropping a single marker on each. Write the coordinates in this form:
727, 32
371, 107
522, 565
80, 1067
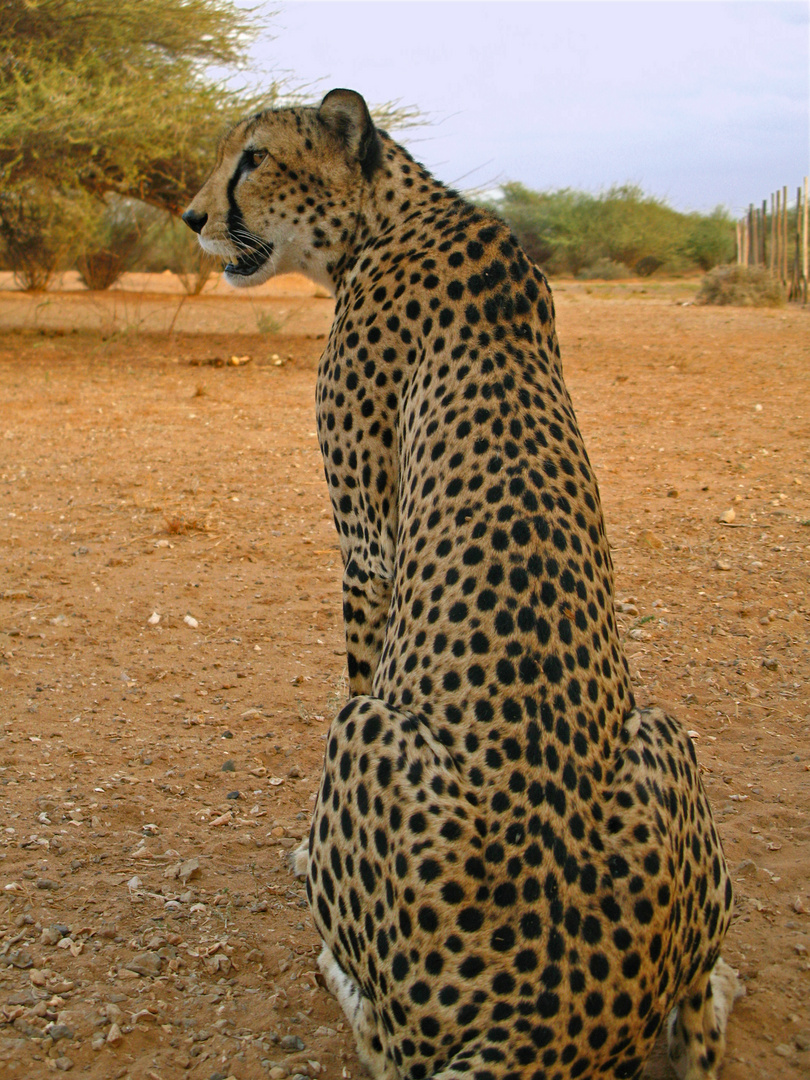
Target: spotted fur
514, 871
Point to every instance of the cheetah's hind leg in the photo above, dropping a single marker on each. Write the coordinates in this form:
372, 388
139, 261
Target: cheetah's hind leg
696, 1029
359, 1014
298, 859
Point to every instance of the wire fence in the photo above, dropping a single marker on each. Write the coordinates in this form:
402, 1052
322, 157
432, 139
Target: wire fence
777, 238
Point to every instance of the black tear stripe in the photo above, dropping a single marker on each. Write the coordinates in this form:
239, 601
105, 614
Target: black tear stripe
235, 220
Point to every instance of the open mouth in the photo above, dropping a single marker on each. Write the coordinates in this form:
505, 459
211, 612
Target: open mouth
247, 264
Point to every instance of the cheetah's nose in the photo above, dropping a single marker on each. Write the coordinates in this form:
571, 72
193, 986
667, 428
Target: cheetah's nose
194, 220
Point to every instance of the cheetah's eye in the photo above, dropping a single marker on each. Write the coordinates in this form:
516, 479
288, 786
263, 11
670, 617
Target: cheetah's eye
255, 157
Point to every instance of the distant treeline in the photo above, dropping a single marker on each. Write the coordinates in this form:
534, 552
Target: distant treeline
615, 234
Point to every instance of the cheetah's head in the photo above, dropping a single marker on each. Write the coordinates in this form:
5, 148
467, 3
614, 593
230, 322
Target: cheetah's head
284, 192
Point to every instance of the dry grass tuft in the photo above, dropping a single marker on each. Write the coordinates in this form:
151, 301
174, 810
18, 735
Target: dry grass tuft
179, 525
741, 286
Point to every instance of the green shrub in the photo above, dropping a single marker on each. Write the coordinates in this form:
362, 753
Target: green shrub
115, 241
742, 286
39, 230
568, 232
710, 240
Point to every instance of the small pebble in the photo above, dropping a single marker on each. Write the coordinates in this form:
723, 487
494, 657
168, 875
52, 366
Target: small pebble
188, 870
113, 1013
64, 1064
783, 1050
59, 1031
114, 1035
233, 795
229, 766
146, 963
19, 958
291, 1042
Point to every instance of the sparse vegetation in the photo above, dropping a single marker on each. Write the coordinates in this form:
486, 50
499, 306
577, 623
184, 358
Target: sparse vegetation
573, 232
742, 286
114, 240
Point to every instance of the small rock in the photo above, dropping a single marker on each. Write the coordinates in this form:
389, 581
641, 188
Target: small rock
291, 1042
722, 564
146, 964
114, 1035
189, 620
20, 958
770, 664
295, 772
798, 906
113, 1013
153, 619
52, 934
278, 1072
228, 766
802, 1041
98, 1040
627, 609
37, 977
47, 884
188, 870
233, 795
727, 516
783, 1050
59, 1031
252, 714
673, 493
64, 1064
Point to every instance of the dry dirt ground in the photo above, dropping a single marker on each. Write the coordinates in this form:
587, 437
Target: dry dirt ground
171, 653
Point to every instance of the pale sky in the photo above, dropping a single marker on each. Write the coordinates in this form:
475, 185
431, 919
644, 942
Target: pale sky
700, 103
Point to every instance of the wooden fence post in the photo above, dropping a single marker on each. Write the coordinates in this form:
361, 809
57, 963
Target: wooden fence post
752, 232
764, 232
774, 213
804, 243
784, 267
796, 273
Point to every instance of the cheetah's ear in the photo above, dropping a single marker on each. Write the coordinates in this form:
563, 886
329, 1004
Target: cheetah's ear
346, 115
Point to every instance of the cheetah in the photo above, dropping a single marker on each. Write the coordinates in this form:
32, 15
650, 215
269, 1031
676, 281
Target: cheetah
514, 871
